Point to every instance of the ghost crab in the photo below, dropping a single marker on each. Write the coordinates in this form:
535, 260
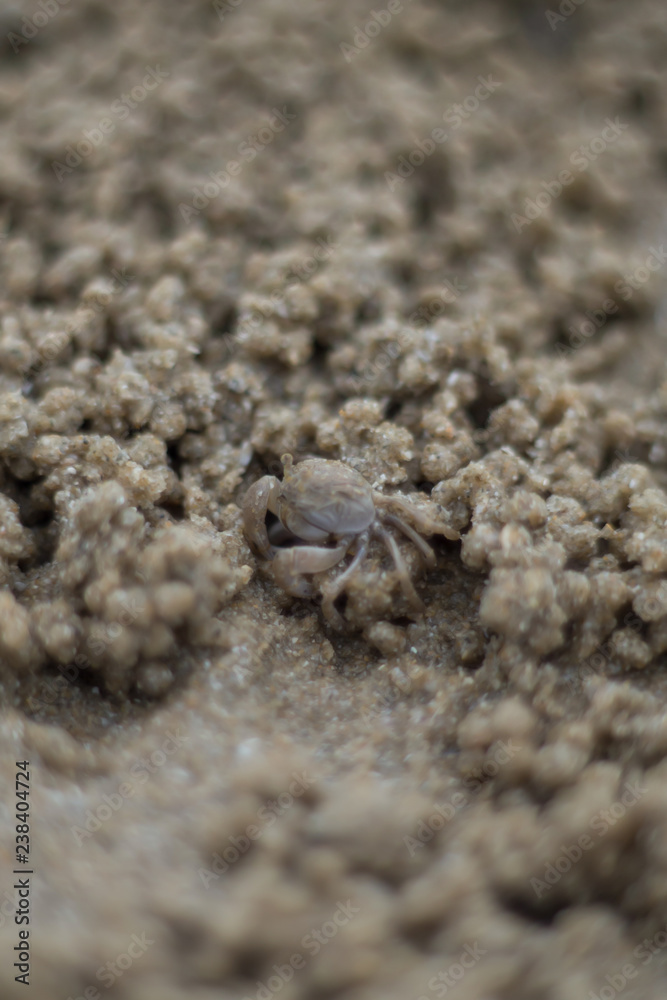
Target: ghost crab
324, 511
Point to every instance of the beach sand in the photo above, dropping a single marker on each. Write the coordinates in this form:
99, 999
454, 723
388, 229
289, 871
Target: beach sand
424, 239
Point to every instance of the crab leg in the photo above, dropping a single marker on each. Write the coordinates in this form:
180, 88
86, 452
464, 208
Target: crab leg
409, 591
410, 533
333, 590
422, 521
261, 496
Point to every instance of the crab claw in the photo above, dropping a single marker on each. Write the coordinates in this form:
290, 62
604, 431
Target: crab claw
259, 499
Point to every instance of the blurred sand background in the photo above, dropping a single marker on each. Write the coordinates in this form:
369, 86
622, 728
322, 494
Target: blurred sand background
425, 240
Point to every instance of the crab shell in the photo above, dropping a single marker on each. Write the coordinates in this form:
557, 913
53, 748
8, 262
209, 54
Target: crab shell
324, 499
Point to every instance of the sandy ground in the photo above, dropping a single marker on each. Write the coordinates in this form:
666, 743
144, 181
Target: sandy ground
423, 239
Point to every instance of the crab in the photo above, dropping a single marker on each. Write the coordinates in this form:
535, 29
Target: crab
324, 510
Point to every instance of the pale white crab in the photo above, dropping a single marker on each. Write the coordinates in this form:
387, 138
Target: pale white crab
324, 510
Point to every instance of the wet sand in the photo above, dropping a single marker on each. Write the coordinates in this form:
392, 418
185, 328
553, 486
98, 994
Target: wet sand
425, 242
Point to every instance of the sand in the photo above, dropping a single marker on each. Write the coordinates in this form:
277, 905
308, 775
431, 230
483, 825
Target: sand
424, 240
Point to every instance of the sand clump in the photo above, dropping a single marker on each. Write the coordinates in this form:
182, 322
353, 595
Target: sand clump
472, 799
